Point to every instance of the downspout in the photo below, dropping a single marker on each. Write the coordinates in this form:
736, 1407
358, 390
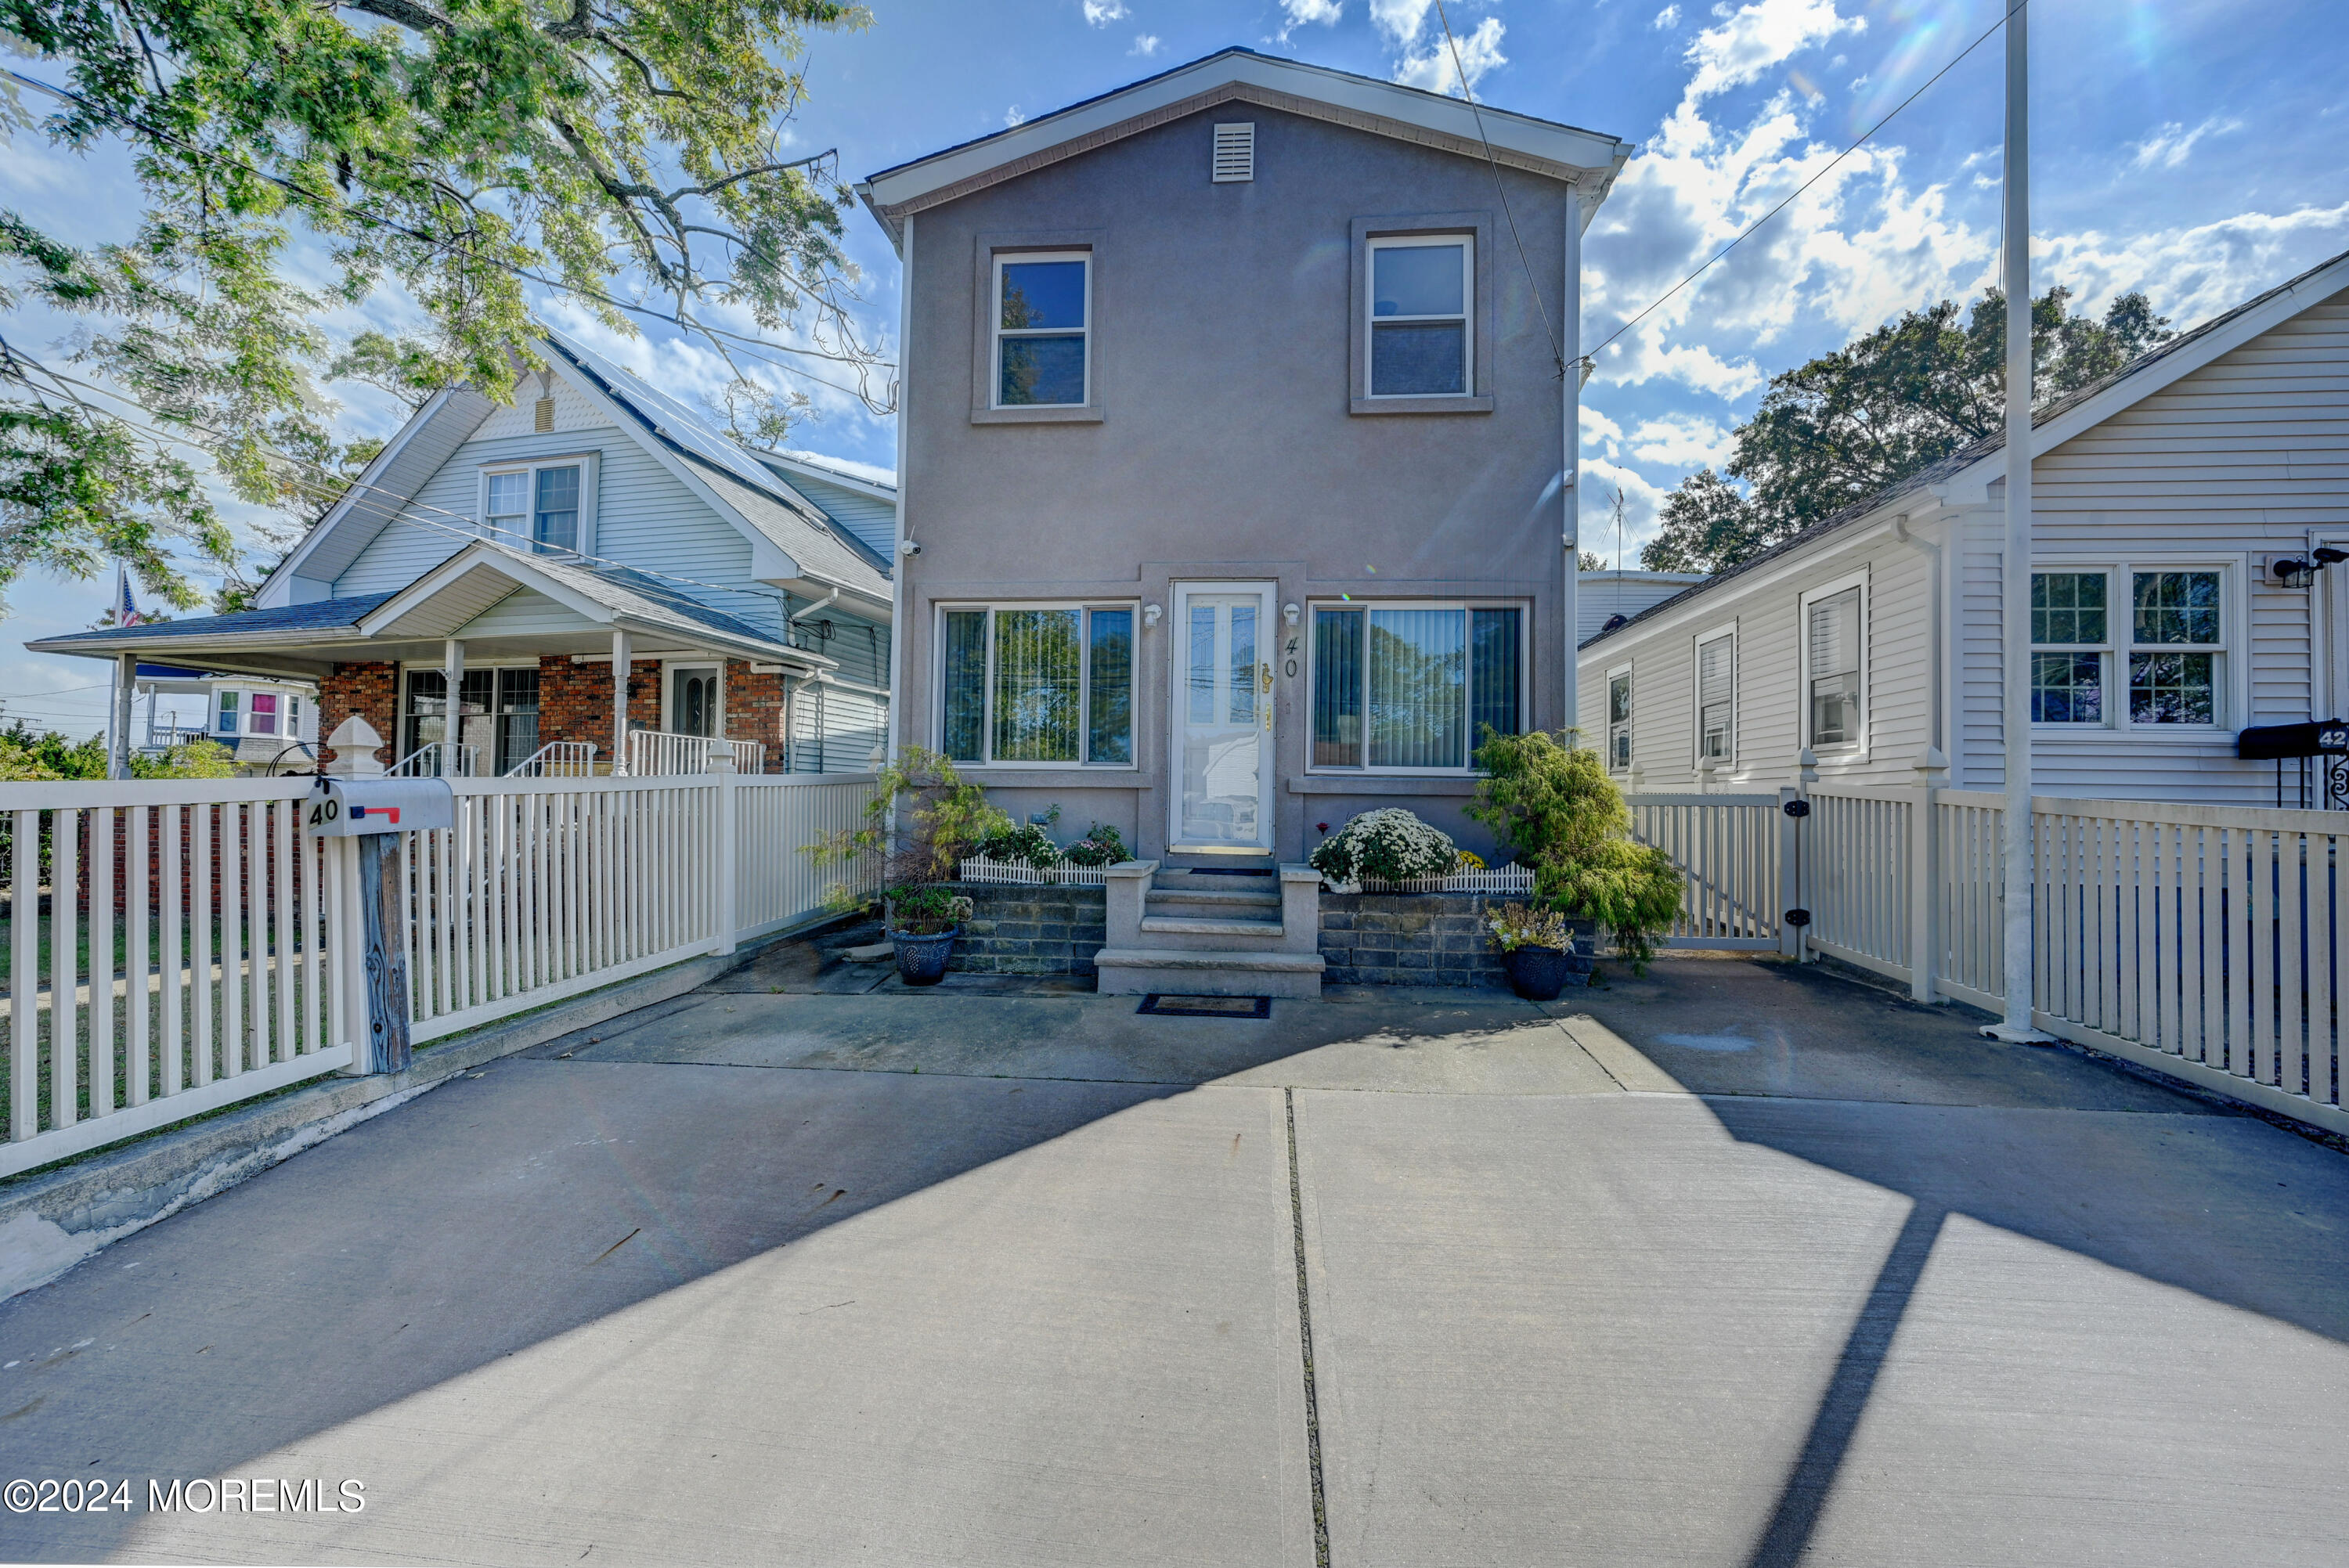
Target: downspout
1569, 471
898, 556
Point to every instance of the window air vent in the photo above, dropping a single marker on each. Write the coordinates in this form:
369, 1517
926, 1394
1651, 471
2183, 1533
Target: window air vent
544, 420
1234, 153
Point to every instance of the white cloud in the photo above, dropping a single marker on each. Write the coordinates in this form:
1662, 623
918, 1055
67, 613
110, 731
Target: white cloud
1438, 72
1144, 45
1599, 431
1101, 12
1752, 38
2173, 143
1400, 20
1680, 441
1302, 12
2194, 273
1666, 19
1012, 116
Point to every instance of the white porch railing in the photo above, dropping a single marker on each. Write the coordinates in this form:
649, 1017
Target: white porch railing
175, 947
660, 753
2201, 941
556, 759
439, 759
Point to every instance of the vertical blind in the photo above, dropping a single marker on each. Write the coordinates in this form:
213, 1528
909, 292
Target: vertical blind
1336, 688
964, 738
1493, 665
1038, 681
1110, 722
1418, 673
1414, 687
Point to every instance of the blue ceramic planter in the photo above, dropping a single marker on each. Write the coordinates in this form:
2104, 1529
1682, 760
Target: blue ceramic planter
921, 960
1536, 974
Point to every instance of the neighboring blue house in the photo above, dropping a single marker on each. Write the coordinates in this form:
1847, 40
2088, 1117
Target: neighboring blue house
513, 552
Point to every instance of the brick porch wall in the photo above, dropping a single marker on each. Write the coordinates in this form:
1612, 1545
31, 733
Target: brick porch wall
369, 690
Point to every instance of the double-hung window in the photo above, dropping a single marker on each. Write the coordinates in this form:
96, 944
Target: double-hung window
544, 507
1043, 320
230, 702
1422, 299
1038, 686
1618, 722
1834, 634
1717, 698
1411, 687
2167, 641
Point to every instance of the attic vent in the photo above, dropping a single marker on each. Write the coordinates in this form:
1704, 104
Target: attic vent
1234, 153
543, 420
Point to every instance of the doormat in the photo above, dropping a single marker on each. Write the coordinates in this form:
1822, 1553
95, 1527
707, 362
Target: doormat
1230, 872
1206, 1006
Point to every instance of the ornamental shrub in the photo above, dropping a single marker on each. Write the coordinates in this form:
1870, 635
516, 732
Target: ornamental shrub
1101, 846
1388, 845
1556, 808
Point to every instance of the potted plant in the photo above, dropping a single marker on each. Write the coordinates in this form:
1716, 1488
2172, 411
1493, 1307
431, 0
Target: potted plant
923, 922
1537, 945
938, 820
1556, 806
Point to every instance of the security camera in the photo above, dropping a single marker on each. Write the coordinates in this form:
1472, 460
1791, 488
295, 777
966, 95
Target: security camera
908, 547
2330, 554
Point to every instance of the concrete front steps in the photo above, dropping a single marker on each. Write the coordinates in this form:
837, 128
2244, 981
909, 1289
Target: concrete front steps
1205, 934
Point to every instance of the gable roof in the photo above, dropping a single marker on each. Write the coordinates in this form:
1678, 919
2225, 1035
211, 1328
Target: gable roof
2059, 420
802, 541
1240, 75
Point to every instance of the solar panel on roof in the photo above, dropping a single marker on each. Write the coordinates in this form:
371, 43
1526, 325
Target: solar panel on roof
673, 418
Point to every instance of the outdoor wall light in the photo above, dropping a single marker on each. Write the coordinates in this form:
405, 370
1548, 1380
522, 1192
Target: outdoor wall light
1150, 614
2291, 570
1290, 612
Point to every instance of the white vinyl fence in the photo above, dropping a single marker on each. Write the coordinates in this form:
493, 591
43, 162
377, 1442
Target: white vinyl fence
1728, 847
176, 946
2202, 941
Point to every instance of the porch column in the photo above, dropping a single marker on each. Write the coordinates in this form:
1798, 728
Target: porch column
452, 727
126, 691
620, 663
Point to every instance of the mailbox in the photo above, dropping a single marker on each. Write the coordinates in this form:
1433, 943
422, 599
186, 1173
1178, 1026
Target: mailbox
348, 807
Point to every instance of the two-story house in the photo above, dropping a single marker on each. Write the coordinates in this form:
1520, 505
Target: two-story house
515, 554
1235, 451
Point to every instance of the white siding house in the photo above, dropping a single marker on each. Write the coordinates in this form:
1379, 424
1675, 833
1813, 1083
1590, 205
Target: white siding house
2164, 496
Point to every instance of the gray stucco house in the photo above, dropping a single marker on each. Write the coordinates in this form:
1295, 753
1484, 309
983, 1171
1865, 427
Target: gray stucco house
1235, 449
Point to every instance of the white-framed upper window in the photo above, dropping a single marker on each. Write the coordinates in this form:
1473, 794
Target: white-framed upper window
1412, 686
1037, 685
2130, 645
230, 720
544, 505
1042, 309
1835, 667
1717, 698
1421, 300
1618, 719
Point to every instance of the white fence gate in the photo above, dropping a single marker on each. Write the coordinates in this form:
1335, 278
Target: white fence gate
2203, 941
1729, 847
175, 947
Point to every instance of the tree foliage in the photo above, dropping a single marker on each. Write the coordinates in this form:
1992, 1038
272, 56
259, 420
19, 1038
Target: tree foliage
472, 155
1849, 424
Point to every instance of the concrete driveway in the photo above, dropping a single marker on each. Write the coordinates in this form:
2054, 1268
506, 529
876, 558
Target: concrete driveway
1755, 1266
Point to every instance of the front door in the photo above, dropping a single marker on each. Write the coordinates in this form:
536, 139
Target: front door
693, 700
1223, 718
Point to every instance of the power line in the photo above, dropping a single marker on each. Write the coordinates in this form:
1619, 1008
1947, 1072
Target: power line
1747, 233
1556, 352
63, 96
470, 529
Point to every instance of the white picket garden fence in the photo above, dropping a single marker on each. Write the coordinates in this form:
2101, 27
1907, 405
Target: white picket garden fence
1018, 873
2201, 941
230, 966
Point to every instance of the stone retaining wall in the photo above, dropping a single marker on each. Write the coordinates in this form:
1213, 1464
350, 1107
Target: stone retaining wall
1419, 939
1016, 930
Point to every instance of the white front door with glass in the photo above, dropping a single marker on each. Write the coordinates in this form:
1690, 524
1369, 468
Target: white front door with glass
1223, 719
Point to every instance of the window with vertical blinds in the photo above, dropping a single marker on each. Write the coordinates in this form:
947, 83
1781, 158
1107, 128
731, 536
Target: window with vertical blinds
1414, 687
1716, 699
1834, 659
1042, 686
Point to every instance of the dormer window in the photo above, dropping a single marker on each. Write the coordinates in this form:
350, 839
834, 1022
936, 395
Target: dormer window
1043, 316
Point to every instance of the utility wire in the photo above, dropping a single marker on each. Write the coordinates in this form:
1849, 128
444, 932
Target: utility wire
468, 528
63, 96
1556, 352
1748, 231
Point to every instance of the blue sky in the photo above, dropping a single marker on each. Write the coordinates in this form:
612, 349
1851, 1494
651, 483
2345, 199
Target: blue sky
2189, 148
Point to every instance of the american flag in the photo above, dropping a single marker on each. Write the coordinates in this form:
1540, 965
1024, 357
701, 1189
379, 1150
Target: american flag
127, 614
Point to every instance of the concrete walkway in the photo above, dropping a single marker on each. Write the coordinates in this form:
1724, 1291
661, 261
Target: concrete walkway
1750, 1266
